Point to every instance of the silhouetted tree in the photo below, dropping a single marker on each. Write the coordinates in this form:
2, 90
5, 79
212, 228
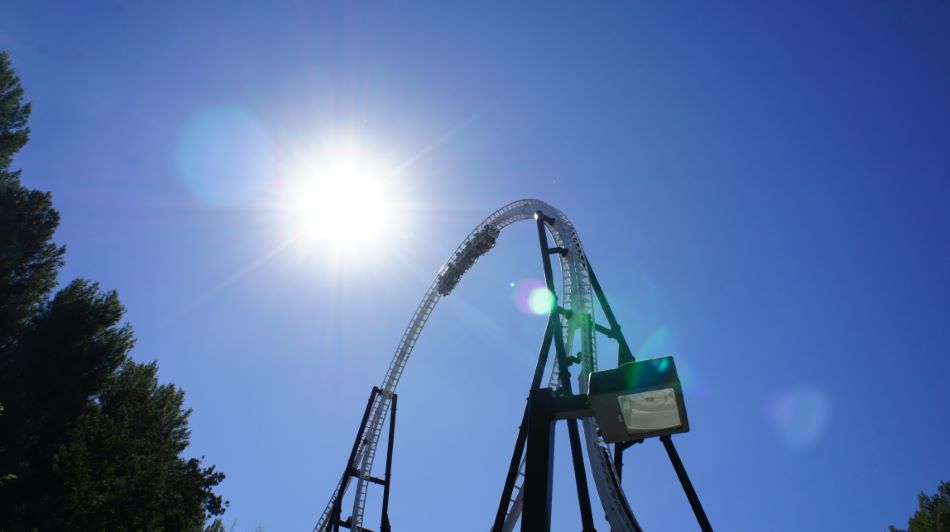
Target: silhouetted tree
89, 440
933, 513
28, 258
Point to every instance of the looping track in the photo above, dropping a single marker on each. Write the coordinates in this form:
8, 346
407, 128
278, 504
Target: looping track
575, 296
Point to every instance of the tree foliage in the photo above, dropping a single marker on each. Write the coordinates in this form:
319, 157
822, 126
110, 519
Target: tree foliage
933, 513
29, 259
89, 439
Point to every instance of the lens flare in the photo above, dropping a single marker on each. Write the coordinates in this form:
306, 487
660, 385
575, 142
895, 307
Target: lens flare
532, 297
657, 343
800, 417
225, 157
689, 380
541, 301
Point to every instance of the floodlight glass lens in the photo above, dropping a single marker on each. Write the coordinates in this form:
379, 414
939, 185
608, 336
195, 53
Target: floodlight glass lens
649, 411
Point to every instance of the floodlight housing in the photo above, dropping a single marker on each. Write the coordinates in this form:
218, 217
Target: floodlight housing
638, 400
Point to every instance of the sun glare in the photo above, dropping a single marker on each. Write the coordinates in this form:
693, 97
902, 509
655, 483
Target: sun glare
340, 202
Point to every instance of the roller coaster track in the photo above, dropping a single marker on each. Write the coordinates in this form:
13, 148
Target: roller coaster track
576, 297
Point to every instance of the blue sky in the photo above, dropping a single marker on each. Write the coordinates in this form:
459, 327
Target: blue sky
761, 188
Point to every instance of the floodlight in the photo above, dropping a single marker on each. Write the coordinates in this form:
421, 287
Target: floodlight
638, 400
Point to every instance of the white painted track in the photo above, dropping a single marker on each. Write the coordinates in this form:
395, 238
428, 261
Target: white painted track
575, 296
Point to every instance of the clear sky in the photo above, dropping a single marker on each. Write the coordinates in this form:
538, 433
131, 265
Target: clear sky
761, 187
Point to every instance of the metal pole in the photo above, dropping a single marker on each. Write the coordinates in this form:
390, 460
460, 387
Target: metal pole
563, 369
536, 515
580, 474
687, 485
384, 524
580, 477
624, 354
334, 523
618, 461
512, 472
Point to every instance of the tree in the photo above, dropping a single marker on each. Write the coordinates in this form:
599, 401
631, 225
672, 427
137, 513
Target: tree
133, 437
933, 513
28, 258
89, 439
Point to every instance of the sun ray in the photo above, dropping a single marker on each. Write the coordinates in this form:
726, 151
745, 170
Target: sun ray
244, 271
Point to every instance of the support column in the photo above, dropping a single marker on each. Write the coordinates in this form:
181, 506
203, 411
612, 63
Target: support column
580, 473
687, 485
334, 522
536, 513
384, 524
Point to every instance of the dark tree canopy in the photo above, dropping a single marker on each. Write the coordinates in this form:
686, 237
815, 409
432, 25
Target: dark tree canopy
13, 113
91, 439
29, 259
933, 513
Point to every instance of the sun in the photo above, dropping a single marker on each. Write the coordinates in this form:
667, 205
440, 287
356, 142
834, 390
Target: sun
339, 200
